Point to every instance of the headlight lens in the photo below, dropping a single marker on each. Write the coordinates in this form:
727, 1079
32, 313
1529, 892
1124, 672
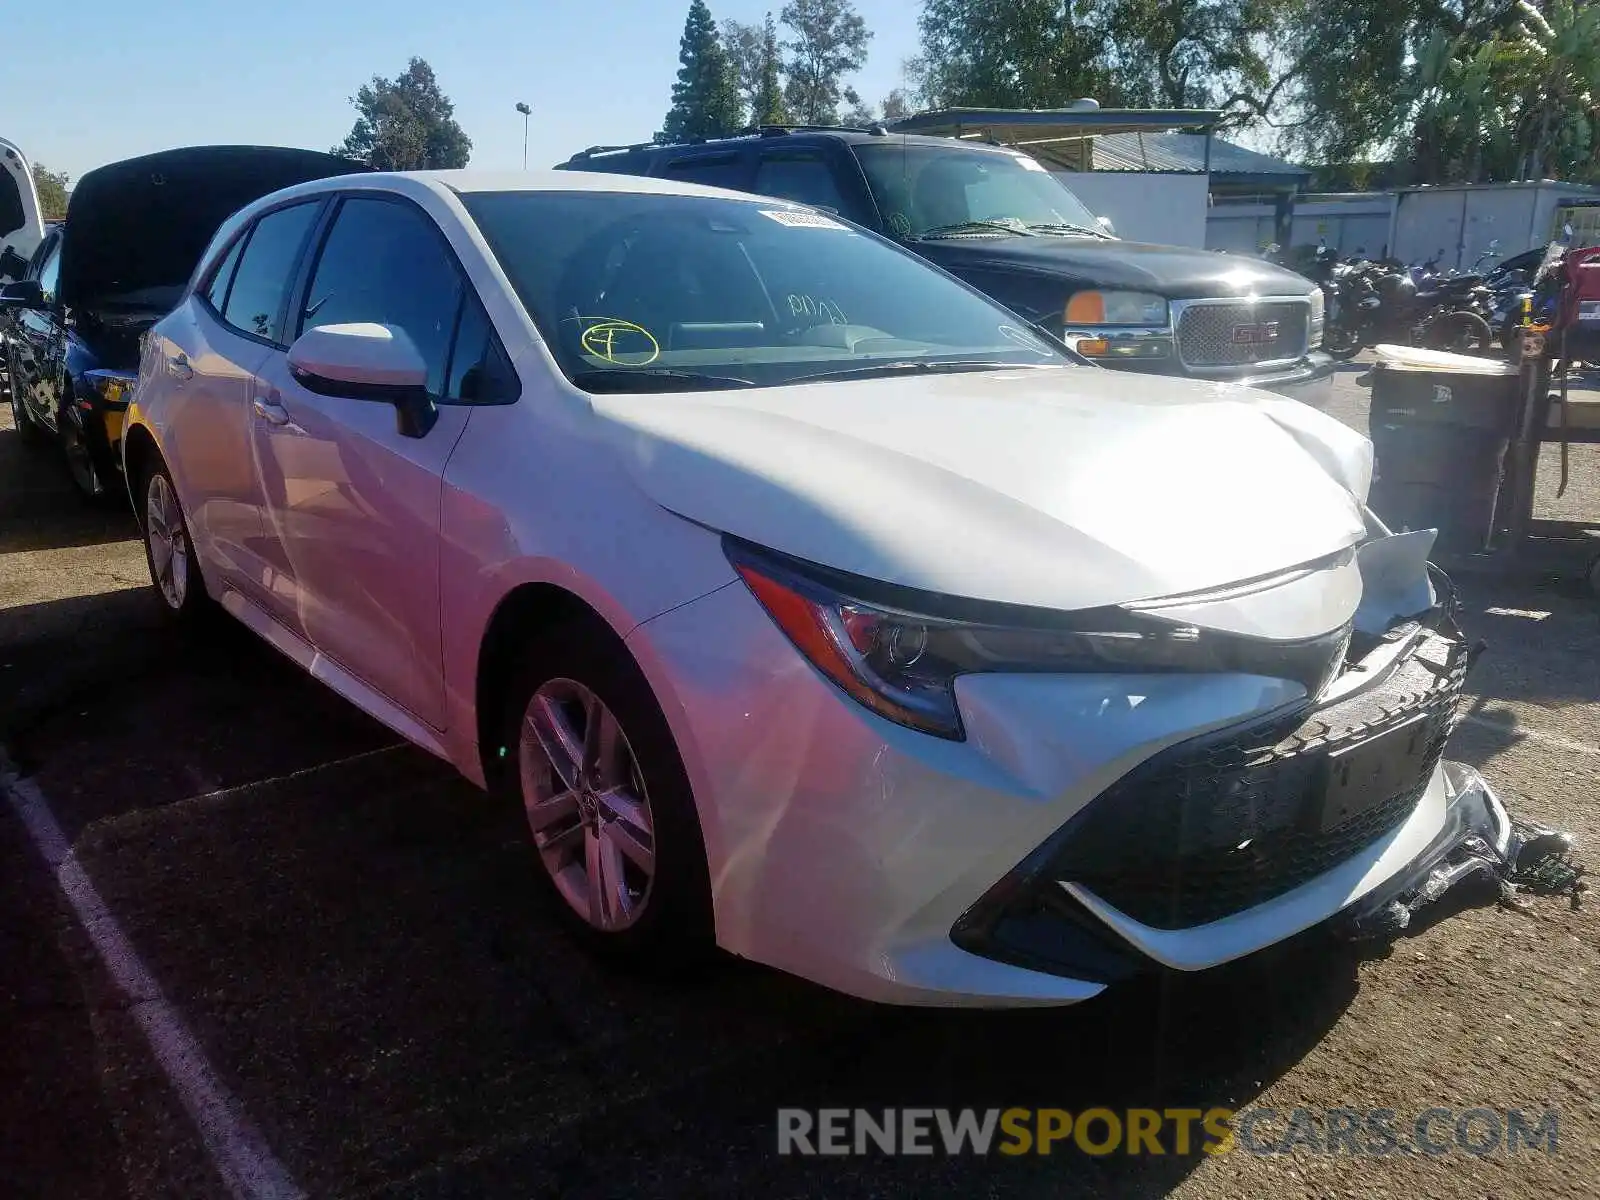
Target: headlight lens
1319, 317
903, 664
1089, 309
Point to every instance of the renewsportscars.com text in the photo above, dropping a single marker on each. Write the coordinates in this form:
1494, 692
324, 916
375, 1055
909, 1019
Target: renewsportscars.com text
1371, 1132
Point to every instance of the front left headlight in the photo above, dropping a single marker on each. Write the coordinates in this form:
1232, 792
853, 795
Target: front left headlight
1319, 318
1086, 310
902, 663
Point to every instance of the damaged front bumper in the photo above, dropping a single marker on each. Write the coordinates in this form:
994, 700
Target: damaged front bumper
1339, 812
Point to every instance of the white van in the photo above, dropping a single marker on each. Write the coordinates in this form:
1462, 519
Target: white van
21, 224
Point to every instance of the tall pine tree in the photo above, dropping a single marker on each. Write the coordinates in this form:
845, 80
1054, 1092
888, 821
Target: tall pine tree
705, 100
767, 107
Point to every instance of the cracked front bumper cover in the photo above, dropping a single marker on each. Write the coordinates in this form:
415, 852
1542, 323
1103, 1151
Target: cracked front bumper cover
1479, 841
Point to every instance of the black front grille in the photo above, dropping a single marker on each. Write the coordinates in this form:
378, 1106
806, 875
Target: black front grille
1219, 824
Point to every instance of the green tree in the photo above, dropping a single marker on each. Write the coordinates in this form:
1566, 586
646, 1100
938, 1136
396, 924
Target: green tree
828, 40
896, 104
767, 106
758, 65
52, 189
705, 99
406, 124
1012, 54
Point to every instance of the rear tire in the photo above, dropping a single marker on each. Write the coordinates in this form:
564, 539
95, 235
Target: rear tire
168, 548
1457, 332
587, 753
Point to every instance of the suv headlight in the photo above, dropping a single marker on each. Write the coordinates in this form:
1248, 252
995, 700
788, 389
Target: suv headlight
1091, 309
896, 656
1319, 317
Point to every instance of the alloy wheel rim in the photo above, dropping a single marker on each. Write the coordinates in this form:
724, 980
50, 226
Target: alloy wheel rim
169, 546
587, 805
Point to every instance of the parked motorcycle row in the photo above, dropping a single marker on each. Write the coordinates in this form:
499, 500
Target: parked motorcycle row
1377, 301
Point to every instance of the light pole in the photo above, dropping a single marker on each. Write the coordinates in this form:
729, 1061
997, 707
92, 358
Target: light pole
525, 111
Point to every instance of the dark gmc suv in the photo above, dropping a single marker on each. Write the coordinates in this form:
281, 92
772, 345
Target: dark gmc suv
1009, 227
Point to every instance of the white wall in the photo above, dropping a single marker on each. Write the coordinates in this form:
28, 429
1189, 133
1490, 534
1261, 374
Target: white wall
1166, 209
1462, 222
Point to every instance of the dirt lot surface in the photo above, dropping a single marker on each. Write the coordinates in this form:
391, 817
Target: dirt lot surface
350, 939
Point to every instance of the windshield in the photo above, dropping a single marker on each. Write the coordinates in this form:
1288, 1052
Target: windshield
923, 190
658, 292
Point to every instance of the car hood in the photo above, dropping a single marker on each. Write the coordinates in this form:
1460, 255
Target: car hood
1067, 488
142, 224
1171, 271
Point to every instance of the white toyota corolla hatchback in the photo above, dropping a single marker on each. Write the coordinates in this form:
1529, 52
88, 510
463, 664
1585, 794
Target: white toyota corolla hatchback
811, 605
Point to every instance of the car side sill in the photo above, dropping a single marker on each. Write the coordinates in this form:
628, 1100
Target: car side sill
323, 669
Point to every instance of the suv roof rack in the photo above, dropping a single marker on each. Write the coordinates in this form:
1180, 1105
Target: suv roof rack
877, 129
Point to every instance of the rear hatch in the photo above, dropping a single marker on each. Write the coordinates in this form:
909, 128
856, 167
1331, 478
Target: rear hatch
21, 227
136, 229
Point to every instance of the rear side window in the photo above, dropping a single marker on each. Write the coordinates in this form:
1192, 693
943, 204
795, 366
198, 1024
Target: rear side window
265, 270
723, 170
217, 289
387, 263
806, 178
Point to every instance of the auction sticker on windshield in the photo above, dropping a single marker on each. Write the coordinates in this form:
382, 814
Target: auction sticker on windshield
801, 220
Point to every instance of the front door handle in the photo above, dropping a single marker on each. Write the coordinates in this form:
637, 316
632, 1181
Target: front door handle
178, 367
269, 411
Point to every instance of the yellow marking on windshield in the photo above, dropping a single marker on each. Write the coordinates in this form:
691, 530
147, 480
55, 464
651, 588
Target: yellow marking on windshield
620, 342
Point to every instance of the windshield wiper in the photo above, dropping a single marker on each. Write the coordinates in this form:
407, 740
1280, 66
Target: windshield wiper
654, 379
916, 366
1068, 227
968, 226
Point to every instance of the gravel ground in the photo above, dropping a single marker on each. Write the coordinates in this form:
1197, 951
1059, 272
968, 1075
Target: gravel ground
358, 952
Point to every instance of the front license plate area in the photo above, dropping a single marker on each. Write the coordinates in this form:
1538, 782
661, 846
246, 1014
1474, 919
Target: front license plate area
1363, 776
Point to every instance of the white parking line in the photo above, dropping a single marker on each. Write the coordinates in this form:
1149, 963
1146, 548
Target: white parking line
1548, 739
241, 1156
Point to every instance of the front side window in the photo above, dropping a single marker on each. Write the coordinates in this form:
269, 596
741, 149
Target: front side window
925, 191
265, 269
386, 263
700, 291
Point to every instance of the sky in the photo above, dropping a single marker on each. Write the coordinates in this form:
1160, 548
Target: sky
87, 82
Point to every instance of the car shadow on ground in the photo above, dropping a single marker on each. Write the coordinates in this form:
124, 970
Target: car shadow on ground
364, 954
368, 959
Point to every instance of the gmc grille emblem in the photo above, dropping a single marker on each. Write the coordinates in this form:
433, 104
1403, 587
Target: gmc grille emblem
1255, 335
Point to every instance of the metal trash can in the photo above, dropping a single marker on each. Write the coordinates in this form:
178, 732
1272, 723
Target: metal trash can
1440, 425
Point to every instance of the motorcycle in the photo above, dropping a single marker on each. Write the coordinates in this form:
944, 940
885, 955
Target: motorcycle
1371, 302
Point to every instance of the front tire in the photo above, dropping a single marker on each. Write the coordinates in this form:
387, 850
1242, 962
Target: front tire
611, 815
1342, 342
21, 419
169, 550
89, 472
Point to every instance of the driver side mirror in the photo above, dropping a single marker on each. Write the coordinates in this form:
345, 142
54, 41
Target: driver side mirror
365, 361
25, 293
1106, 226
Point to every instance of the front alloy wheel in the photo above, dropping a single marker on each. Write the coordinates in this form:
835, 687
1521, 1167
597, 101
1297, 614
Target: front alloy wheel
588, 805
586, 752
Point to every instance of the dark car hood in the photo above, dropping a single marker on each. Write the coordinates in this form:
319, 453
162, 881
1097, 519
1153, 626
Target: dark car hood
1171, 271
143, 223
